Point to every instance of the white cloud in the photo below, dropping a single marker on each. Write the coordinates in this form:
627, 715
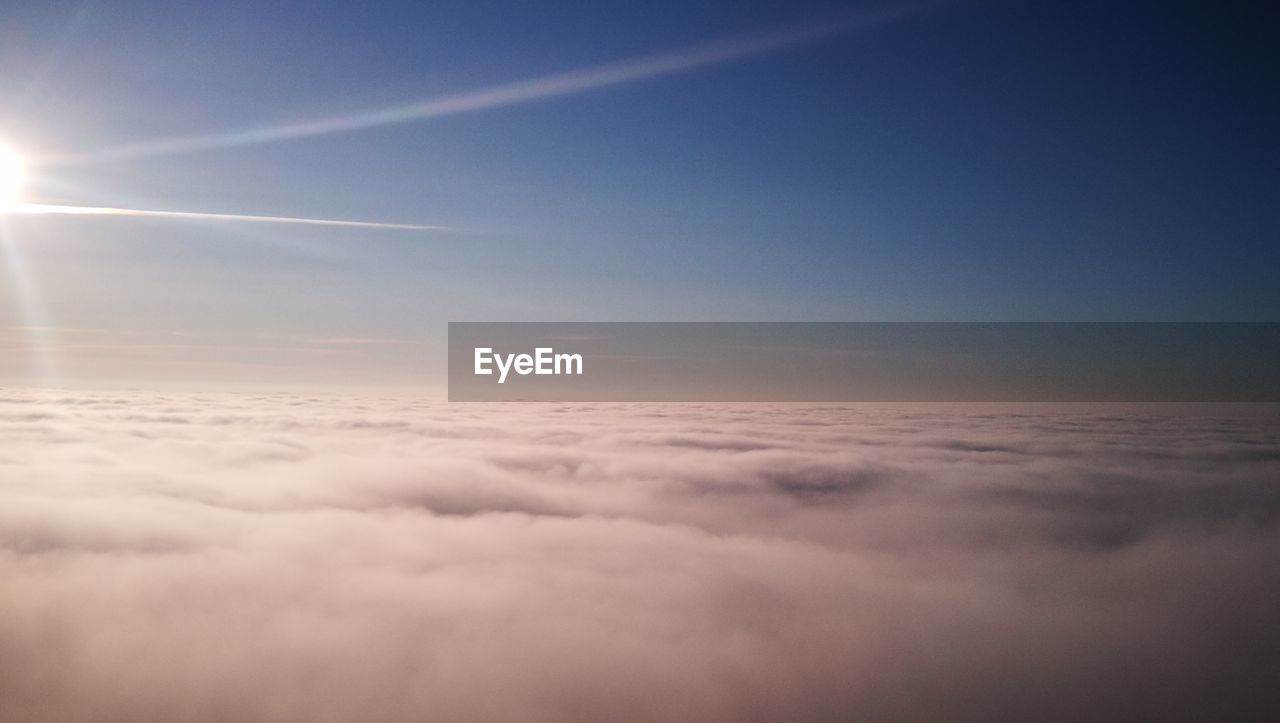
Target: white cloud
324, 558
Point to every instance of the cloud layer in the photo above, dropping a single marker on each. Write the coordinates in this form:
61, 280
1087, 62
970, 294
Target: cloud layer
327, 558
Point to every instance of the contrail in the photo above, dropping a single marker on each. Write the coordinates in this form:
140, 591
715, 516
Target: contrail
548, 86
36, 209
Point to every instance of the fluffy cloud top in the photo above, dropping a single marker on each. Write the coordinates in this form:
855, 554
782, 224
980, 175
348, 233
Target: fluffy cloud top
323, 558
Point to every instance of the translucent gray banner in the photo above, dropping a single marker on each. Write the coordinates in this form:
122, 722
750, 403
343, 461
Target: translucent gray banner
864, 362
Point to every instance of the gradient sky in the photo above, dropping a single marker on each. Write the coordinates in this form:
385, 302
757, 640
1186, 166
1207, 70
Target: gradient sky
966, 161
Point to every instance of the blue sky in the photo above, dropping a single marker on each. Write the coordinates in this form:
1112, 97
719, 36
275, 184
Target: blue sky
969, 161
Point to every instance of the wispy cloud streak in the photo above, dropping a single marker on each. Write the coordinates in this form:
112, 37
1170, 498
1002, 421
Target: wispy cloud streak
38, 209
544, 87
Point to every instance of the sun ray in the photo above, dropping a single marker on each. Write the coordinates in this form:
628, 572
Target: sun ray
12, 176
311, 245
41, 209
36, 330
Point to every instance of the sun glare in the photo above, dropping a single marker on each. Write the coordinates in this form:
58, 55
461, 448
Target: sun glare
11, 176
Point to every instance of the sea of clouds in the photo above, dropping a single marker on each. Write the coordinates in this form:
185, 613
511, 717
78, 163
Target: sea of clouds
296, 558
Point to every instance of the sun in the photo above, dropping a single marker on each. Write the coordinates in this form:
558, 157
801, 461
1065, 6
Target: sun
12, 173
